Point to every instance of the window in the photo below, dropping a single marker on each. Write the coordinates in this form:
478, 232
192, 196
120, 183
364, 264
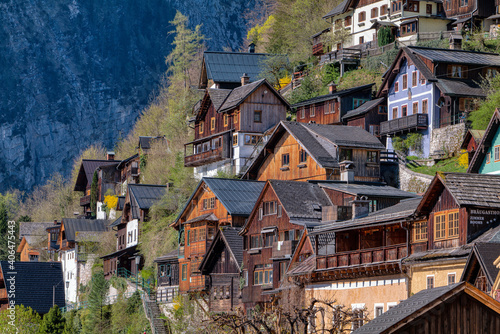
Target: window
425, 106
257, 116
347, 21
415, 108
252, 139
263, 274
430, 282
362, 16
268, 239
260, 213
405, 81
282, 270
382, 110
488, 157
414, 81
379, 310
208, 203
464, 3
466, 104
422, 79
357, 318
245, 277
312, 111
374, 12
491, 72
413, 6
453, 224
428, 9
396, 87
372, 206
404, 110
451, 279
269, 208
285, 159
236, 117
184, 272
235, 139
200, 127
345, 154
226, 119
439, 227
212, 123
303, 156
408, 29
361, 40
457, 71
420, 231
280, 209
396, 6
357, 102
372, 156
303, 112
255, 241
383, 10
394, 112
497, 153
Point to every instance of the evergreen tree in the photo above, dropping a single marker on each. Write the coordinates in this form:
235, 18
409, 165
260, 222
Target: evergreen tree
53, 322
93, 194
27, 321
97, 319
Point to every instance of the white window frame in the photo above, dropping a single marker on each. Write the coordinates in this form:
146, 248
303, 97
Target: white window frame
391, 305
426, 280
375, 309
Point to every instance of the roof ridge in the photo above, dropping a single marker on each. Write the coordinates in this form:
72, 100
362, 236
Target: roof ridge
451, 50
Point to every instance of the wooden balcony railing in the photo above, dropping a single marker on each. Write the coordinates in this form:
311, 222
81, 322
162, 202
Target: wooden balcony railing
342, 54
283, 249
85, 200
402, 124
203, 158
318, 49
167, 295
362, 257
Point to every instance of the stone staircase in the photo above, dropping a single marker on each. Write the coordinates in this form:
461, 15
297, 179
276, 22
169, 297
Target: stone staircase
153, 313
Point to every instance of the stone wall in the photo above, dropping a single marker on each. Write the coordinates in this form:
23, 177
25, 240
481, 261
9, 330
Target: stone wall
446, 141
412, 181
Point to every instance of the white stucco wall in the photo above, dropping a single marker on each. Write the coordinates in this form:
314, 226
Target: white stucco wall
69, 264
100, 214
132, 232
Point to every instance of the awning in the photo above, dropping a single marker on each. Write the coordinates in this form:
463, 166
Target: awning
462, 20
377, 24
205, 217
268, 229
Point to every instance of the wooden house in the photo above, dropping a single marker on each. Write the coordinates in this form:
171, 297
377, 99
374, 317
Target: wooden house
470, 14
357, 262
458, 209
223, 70
302, 151
53, 232
33, 240
222, 265
471, 142
282, 212
86, 175
39, 285
29, 248
167, 277
486, 158
130, 171
330, 108
138, 201
229, 123
214, 203
480, 269
368, 116
458, 308
430, 89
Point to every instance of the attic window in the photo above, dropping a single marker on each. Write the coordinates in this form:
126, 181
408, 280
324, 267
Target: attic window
316, 207
257, 116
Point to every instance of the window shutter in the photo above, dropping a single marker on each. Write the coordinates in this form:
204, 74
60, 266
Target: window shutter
461, 104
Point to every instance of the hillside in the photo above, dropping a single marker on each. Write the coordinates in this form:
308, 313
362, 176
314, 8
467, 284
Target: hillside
76, 73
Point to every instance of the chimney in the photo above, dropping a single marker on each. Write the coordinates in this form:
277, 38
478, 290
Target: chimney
347, 171
360, 207
332, 88
251, 48
245, 79
110, 155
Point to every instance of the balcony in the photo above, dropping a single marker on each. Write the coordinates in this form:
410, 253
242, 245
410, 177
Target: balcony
362, 257
167, 295
203, 158
404, 124
317, 49
343, 54
284, 249
85, 200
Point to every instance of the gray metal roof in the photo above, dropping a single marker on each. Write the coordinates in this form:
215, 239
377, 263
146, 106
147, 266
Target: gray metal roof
405, 309
457, 56
34, 228
460, 87
368, 190
364, 108
237, 196
74, 225
146, 194
34, 282
230, 66
340, 9
332, 96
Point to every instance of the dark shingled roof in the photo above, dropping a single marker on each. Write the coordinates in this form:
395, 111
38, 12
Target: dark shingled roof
146, 194
232, 241
457, 56
367, 189
483, 254
218, 96
34, 228
405, 309
340, 9
116, 222
304, 267
86, 172
34, 282
460, 87
486, 141
73, 225
364, 108
229, 66
481, 190
300, 200
169, 256
332, 96
123, 162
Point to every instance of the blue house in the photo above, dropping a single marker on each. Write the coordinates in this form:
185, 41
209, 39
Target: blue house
429, 89
486, 159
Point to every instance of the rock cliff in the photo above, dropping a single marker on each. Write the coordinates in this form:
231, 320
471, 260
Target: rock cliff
76, 72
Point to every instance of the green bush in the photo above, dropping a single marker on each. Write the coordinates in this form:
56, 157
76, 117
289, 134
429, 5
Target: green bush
385, 36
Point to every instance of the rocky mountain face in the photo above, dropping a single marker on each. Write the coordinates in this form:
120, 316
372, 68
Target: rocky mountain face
77, 72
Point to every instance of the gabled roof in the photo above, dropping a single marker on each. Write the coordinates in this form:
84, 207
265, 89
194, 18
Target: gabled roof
472, 134
74, 225
34, 284
173, 255
146, 194
482, 257
116, 222
457, 56
341, 8
332, 96
485, 143
237, 196
228, 67
480, 190
425, 301
364, 108
34, 228
218, 96
123, 162
232, 241
145, 141
363, 189
86, 172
